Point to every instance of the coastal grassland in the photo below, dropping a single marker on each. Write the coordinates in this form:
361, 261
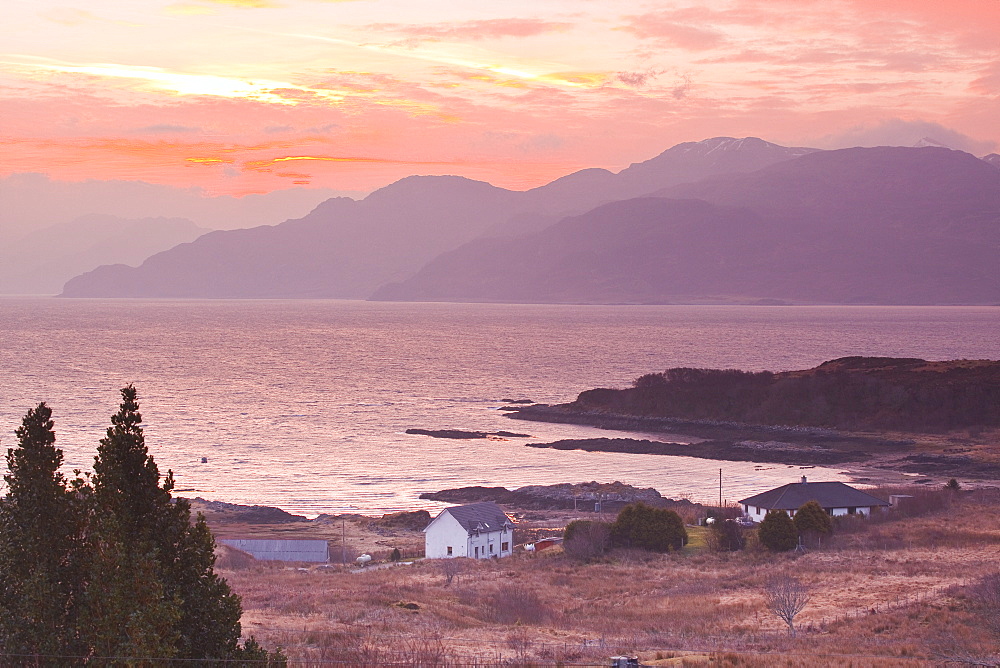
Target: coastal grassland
891, 591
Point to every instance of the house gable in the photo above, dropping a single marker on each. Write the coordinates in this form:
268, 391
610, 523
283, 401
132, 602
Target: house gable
477, 530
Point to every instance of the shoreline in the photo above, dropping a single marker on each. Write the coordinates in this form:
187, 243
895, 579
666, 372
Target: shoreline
867, 458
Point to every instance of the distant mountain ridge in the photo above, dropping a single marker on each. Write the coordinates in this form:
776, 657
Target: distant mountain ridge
880, 225
721, 220
347, 249
42, 261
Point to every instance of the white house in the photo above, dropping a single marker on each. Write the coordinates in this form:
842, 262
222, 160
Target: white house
476, 530
836, 498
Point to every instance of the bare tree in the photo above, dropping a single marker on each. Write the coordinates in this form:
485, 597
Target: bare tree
786, 597
450, 569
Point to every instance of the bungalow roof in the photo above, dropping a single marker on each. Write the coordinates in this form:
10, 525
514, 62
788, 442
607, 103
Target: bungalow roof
827, 494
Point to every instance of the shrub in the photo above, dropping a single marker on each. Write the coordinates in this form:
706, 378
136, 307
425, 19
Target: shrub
812, 522
726, 536
585, 539
647, 528
777, 532
515, 603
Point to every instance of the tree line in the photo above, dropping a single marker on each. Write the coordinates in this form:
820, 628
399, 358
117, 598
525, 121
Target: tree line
849, 393
108, 568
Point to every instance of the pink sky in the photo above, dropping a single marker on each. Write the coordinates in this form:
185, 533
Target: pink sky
242, 96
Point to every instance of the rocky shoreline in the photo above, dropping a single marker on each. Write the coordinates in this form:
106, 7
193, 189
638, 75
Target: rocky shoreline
862, 454
763, 452
463, 434
564, 496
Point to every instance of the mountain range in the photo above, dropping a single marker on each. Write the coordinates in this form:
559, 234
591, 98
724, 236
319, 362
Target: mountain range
721, 220
41, 261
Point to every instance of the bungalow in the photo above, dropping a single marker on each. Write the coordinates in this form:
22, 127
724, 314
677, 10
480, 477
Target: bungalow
476, 530
836, 498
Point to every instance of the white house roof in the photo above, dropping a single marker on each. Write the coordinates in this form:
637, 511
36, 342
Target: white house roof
282, 550
827, 494
483, 517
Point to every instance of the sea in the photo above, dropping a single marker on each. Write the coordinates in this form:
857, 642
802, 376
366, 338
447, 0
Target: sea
304, 404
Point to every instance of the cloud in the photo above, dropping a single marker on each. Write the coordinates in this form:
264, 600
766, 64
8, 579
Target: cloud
470, 30
989, 82
638, 79
165, 128
899, 132
246, 4
665, 27
184, 83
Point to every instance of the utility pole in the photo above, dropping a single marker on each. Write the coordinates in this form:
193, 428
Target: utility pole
720, 489
343, 542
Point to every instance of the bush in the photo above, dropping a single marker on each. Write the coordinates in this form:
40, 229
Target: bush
726, 536
777, 532
585, 539
515, 603
644, 527
812, 522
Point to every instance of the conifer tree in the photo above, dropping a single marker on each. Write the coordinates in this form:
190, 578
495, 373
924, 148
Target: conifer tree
137, 512
41, 559
777, 531
812, 522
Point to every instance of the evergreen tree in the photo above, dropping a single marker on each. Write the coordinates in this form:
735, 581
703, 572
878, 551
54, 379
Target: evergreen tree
41, 558
648, 528
777, 531
812, 522
136, 511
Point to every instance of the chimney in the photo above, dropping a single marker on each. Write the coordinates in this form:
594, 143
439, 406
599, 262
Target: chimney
803, 480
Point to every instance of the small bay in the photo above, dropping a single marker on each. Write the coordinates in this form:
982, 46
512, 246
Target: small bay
304, 404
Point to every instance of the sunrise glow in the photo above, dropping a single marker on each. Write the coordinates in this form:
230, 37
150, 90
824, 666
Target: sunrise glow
520, 93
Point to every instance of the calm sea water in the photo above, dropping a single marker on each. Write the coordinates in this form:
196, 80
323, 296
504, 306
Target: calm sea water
304, 404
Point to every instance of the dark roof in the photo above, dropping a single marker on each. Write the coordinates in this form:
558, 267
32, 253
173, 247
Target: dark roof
486, 516
828, 494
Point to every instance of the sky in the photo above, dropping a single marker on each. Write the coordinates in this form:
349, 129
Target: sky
252, 96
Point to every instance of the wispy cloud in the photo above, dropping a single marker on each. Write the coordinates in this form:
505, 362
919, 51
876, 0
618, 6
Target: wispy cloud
166, 128
464, 31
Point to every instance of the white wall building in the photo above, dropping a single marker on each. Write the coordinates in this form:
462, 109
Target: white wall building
476, 530
836, 498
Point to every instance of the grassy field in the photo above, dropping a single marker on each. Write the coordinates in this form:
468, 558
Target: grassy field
891, 591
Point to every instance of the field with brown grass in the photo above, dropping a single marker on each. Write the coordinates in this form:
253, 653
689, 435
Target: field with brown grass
893, 590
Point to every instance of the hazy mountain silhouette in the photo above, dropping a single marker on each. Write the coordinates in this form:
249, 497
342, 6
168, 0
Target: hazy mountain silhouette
344, 248
42, 261
684, 163
993, 159
347, 249
873, 225
33, 202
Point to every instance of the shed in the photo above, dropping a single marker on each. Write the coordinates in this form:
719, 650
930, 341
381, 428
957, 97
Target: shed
476, 530
836, 498
317, 551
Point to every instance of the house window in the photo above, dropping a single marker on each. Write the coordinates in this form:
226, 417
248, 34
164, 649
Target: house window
491, 548
449, 550
504, 547
477, 551
852, 511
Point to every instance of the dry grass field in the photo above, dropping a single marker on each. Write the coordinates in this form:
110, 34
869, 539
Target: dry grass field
890, 591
